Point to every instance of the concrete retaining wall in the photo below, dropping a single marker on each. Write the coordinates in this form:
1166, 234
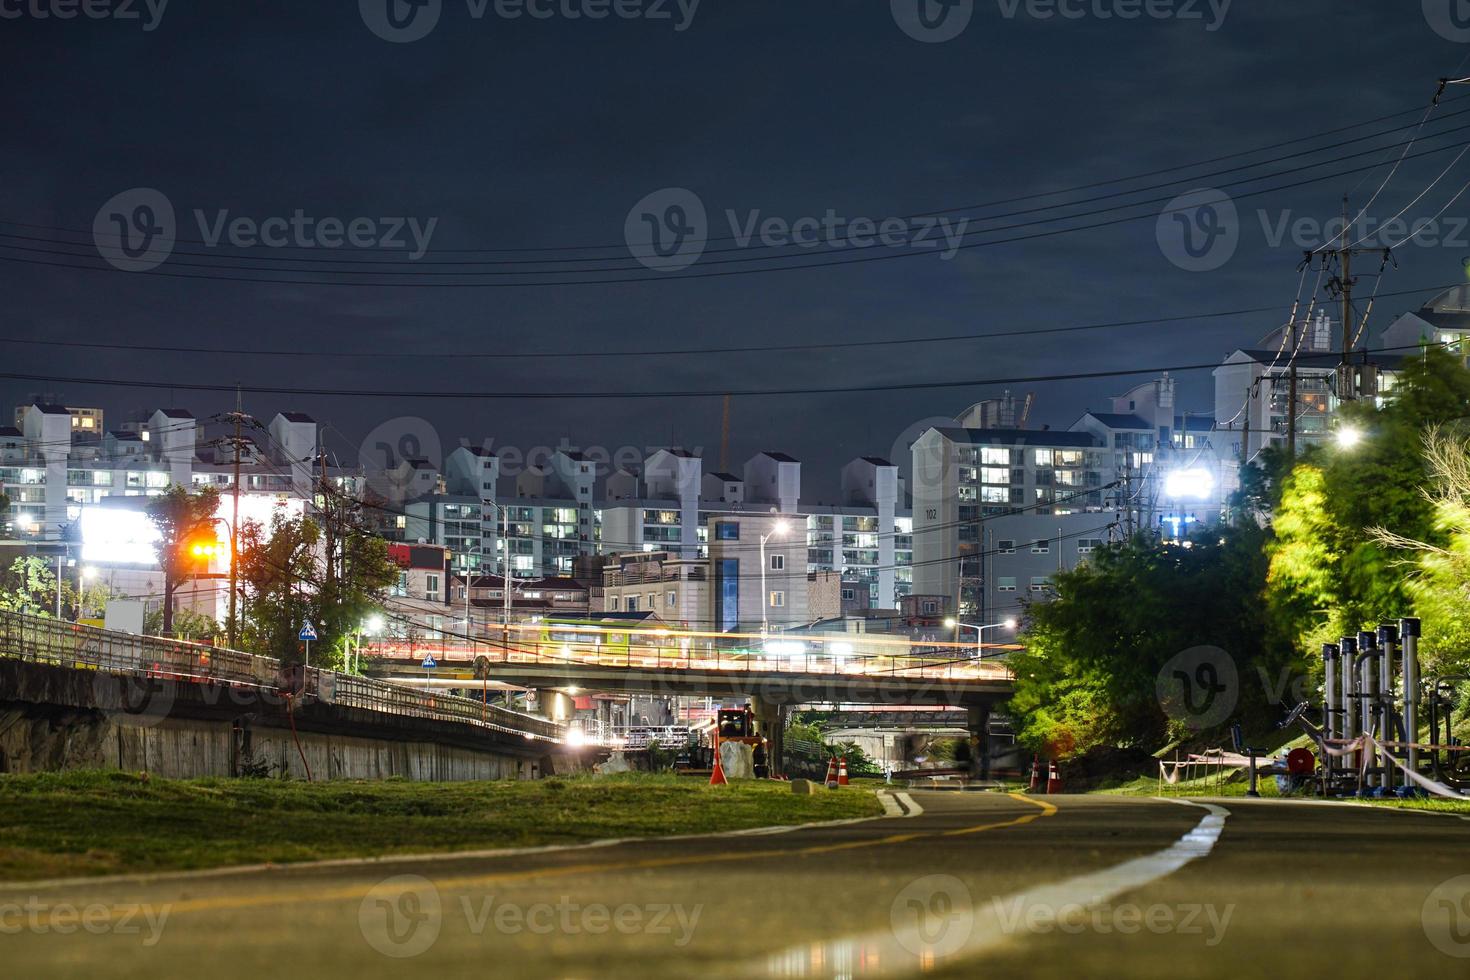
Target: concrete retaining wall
51, 719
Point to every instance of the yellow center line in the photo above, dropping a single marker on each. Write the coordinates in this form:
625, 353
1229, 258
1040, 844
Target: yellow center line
359, 890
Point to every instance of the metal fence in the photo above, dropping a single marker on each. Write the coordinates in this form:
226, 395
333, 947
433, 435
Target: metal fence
50, 641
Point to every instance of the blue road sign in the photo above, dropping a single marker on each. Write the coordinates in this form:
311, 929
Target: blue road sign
429, 662
308, 631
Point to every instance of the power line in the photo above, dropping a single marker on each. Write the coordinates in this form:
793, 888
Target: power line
897, 253
564, 395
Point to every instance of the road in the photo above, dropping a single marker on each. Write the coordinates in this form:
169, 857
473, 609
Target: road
952, 884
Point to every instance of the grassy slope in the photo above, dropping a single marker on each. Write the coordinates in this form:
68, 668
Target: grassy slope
1236, 786
101, 823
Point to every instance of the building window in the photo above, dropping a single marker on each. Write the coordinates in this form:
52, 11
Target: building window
849, 595
1086, 546
632, 603
1006, 547
778, 600
673, 599
431, 586
727, 531
1040, 547
931, 608
778, 563
1005, 583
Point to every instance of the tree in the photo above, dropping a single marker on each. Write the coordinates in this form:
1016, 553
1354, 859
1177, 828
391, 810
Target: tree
182, 518
1328, 575
308, 569
1093, 656
1438, 571
29, 586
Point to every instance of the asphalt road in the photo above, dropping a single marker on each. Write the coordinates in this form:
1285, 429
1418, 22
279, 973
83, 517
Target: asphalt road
1066, 886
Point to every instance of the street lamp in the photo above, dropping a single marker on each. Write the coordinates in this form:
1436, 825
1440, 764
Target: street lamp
1348, 436
1008, 623
778, 530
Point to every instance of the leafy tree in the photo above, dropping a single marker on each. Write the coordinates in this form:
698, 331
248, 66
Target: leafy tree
1438, 572
29, 586
1093, 654
180, 515
302, 569
1328, 575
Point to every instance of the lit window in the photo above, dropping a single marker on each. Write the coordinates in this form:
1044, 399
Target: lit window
778, 600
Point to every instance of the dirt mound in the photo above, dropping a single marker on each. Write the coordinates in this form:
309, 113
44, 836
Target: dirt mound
1104, 766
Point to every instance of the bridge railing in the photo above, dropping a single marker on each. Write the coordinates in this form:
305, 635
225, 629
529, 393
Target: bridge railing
50, 641
656, 655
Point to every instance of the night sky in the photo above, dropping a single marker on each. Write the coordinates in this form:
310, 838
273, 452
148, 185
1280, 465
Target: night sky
541, 134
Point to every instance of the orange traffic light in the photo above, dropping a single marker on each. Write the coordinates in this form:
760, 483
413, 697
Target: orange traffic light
198, 551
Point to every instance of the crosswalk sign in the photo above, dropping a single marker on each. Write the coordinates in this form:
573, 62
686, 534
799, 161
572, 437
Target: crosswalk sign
429, 662
308, 631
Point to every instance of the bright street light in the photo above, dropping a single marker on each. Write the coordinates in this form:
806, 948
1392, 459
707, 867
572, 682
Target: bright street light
374, 625
1348, 436
1195, 483
1009, 623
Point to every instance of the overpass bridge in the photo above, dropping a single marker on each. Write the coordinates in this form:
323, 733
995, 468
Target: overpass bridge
773, 673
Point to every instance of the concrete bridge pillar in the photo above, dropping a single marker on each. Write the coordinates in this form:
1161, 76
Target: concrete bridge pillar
977, 720
770, 719
555, 705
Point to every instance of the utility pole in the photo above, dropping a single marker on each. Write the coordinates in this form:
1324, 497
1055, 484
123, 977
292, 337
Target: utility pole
1291, 397
233, 627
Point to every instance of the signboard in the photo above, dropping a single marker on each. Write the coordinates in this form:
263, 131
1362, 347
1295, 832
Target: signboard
429, 662
308, 632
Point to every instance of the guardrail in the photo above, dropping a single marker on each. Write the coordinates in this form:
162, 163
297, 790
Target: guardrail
671, 656
49, 641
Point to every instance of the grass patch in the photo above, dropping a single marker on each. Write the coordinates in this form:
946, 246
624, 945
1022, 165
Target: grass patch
1236, 784
92, 823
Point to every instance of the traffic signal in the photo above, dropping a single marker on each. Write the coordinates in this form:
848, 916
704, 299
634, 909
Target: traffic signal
198, 551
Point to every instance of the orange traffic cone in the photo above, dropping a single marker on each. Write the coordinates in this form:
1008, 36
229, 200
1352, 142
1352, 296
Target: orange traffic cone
717, 775
832, 773
1053, 778
842, 772
1035, 774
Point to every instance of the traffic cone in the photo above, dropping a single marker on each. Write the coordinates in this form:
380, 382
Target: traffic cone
1053, 778
1035, 774
842, 772
717, 775
832, 773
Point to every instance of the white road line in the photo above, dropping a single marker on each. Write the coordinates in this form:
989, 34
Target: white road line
937, 927
908, 802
